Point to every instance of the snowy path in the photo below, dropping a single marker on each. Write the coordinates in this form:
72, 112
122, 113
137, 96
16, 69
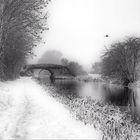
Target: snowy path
27, 112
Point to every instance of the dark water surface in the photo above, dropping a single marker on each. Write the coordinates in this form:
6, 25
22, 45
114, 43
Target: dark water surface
123, 97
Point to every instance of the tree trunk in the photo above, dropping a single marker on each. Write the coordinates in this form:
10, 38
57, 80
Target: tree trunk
126, 82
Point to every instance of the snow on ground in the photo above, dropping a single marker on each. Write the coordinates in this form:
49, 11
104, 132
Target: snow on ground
28, 112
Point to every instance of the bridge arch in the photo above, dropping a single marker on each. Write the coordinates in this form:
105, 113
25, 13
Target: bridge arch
28, 70
43, 73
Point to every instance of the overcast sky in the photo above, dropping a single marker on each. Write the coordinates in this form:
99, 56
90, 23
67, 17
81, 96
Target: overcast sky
77, 28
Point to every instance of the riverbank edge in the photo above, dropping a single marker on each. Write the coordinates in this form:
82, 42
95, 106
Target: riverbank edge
27, 111
106, 118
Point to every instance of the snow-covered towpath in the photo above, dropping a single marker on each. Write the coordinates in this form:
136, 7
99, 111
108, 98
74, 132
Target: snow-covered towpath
28, 112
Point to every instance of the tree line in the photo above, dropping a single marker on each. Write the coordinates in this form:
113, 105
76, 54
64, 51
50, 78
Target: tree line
121, 61
56, 57
74, 67
21, 24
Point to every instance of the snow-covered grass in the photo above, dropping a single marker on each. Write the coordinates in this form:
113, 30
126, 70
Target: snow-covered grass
28, 112
114, 123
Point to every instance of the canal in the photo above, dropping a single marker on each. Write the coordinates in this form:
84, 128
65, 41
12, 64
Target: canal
124, 98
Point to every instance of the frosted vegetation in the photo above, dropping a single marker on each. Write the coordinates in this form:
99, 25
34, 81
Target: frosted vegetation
109, 119
27, 111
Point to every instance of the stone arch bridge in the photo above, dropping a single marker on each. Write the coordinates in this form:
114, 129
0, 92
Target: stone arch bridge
28, 70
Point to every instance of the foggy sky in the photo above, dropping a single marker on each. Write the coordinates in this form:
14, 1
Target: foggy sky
78, 27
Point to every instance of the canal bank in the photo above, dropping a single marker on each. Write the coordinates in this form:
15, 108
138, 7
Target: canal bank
27, 111
108, 118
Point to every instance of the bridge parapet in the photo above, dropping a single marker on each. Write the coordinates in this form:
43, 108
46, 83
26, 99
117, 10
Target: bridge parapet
28, 70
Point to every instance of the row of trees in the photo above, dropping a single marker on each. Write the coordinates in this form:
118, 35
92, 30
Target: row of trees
56, 57
21, 24
121, 60
74, 67
96, 68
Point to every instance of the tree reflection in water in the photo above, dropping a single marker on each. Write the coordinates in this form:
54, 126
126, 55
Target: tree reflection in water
126, 99
133, 106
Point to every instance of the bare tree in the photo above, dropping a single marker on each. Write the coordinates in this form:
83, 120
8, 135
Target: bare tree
122, 59
21, 22
74, 67
96, 68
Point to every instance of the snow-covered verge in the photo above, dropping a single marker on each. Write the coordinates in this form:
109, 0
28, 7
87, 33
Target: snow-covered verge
28, 112
114, 123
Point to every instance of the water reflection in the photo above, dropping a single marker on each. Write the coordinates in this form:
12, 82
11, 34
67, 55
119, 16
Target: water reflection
125, 98
67, 85
134, 104
110, 93
118, 95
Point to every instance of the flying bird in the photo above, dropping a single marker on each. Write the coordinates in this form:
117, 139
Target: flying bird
106, 35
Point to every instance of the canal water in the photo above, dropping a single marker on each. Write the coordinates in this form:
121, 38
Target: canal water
123, 97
